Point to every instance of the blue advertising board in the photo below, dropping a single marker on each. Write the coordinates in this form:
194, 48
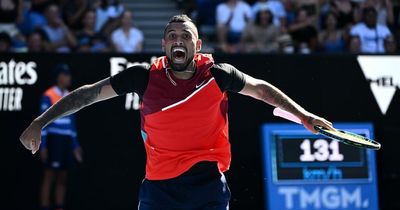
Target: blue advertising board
307, 171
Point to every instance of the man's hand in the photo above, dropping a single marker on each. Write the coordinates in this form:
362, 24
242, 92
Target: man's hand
311, 120
69, 104
31, 137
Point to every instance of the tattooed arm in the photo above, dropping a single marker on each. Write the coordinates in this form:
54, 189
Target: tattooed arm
73, 102
268, 93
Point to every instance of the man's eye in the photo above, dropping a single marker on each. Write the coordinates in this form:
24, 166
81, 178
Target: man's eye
186, 36
172, 36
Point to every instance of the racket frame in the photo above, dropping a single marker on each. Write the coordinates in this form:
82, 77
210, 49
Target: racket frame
376, 145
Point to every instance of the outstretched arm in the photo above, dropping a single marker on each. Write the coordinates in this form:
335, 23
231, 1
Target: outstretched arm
73, 102
268, 93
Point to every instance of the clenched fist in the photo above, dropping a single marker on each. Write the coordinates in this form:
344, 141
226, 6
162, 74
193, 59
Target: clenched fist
31, 137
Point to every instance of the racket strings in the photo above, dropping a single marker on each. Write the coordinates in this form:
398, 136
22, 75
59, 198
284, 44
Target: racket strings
349, 138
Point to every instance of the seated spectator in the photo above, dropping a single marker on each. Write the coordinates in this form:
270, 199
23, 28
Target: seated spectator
73, 13
108, 15
127, 38
390, 45
262, 35
36, 42
275, 6
101, 14
231, 17
36, 18
354, 45
331, 39
344, 9
88, 39
290, 9
60, 37
311, 7
370, 32
304, 32
5, 42
11, 14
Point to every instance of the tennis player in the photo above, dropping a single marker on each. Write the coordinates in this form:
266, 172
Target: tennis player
184, 119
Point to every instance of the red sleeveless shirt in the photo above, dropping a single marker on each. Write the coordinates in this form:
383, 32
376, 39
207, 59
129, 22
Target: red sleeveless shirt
184, 121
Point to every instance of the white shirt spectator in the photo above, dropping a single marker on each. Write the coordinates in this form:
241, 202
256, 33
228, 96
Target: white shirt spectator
101, 18
127, 44
238, 22
104, 14
56, 35
275, 6
371, 39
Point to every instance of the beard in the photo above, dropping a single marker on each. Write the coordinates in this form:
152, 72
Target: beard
181, 67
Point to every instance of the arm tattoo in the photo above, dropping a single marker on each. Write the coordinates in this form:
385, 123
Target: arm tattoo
275, 97
73, 102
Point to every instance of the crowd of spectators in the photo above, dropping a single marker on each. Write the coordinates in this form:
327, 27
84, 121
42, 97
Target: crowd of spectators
67, 26
300, 26
230, 26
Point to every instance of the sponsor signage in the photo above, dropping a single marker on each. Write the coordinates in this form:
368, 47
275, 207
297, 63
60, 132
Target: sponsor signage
383, 75
14, 77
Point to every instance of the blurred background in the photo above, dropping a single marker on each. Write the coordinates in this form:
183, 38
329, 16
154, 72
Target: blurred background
337, 58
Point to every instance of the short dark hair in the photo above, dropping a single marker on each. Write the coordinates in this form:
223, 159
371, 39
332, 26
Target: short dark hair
368, 10
180, 19
61, 68
258, 16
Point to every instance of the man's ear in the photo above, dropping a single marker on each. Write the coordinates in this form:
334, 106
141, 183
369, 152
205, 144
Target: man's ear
163, 45
198, 45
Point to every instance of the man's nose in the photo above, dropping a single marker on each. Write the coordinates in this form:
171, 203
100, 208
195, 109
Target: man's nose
178, 41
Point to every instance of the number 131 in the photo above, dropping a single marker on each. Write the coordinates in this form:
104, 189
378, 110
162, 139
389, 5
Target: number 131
324, 151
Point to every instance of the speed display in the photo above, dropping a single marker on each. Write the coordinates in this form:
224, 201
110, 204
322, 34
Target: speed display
312, 158
307, 171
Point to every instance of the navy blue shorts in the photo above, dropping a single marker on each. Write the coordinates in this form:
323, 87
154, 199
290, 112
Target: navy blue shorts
203, 187
59, 156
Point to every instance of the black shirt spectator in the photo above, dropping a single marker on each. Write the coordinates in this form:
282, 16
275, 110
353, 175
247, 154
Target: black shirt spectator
60, 37
73, 13
88, 39
304, 32
37, 42
10, 15
344, 9
9, 10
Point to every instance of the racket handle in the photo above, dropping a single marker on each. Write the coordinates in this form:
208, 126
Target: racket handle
286, 115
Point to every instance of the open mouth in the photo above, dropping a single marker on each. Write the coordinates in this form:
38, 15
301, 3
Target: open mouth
178, 54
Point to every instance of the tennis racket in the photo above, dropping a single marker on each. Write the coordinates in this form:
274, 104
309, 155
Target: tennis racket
338, 135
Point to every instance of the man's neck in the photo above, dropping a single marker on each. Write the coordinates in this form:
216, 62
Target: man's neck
188, 73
